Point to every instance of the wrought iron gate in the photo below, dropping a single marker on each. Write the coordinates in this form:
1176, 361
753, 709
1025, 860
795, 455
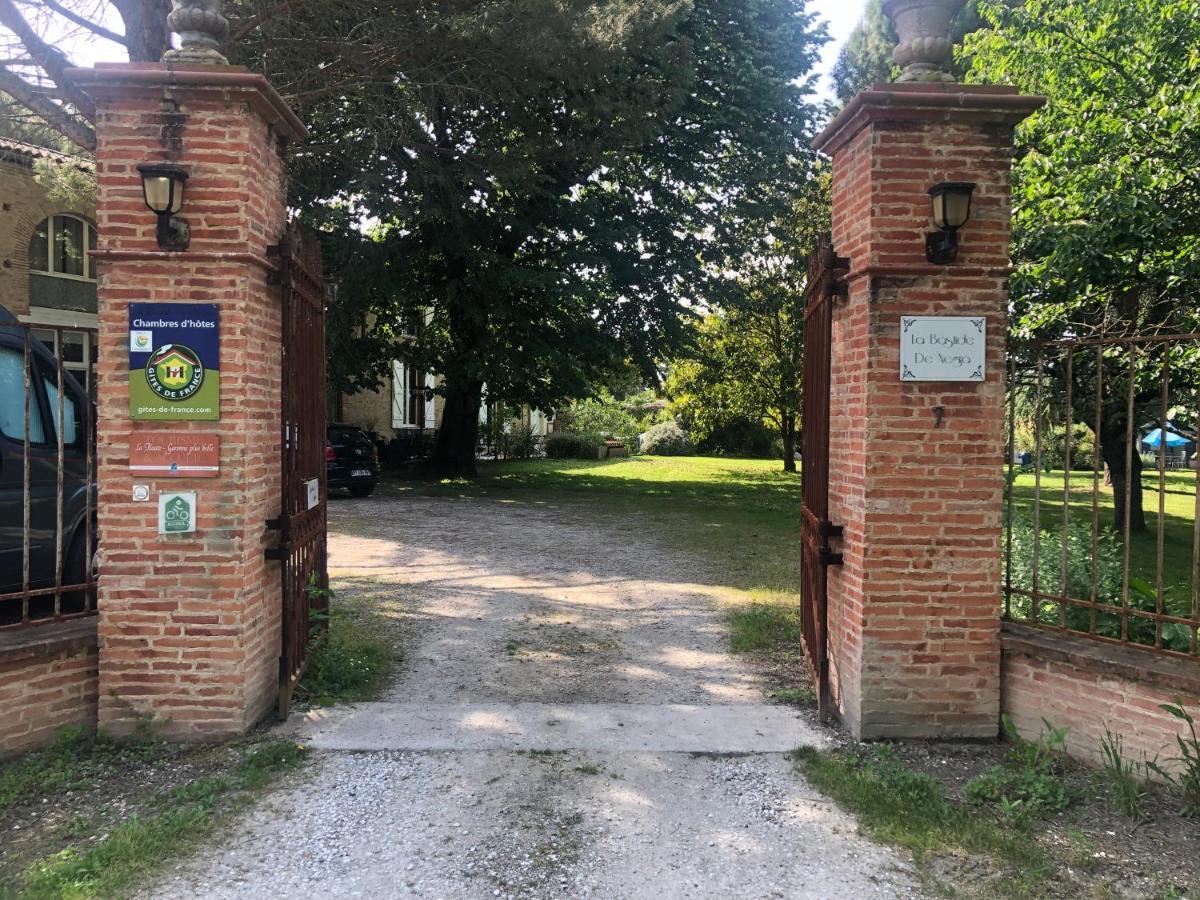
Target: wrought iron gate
302, 520
826, 280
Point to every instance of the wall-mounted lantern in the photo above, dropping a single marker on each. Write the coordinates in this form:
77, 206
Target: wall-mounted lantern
162, 189
951, 210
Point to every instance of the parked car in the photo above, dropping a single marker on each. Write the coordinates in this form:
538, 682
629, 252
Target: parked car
351, 460
78, 494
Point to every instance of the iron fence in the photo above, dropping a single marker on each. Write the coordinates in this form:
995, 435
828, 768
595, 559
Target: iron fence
1097, 541
47, 474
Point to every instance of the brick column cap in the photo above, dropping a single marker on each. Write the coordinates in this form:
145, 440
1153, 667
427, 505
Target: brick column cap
925, 102
108, 80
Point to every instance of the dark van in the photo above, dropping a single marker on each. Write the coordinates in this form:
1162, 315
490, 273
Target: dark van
30, 466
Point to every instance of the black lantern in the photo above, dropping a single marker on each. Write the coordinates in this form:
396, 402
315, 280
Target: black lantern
951, 210
162, 189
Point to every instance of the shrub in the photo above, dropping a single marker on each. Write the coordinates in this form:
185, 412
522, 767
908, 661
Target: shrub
522, 444
742, 437
569, 445
1120, 777
1030, 783
1187, 779
666, 439
605, 417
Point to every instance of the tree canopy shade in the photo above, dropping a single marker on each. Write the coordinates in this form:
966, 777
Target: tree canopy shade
1107, 189
549, 178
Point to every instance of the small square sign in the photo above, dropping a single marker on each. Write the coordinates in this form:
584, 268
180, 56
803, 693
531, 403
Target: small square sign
177, 512
141, 493
314, 493
943, 348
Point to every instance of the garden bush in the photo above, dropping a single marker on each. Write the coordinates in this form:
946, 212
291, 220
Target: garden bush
569, 445
666, 439
743, 437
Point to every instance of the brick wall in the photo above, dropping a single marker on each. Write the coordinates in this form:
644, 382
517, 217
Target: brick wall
1079, 684
25, 204
914, 611
48, 680
190, 624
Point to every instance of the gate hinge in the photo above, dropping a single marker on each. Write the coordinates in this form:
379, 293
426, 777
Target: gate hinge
275, 524
828, 530
827, 557
281, 553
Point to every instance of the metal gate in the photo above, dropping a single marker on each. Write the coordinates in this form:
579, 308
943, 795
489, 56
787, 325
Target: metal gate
826, 280
302, 521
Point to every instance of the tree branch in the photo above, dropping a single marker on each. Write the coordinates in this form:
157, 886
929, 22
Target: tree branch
52, 60
47, 110
96, 29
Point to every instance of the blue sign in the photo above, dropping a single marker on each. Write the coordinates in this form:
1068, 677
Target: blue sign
174, 362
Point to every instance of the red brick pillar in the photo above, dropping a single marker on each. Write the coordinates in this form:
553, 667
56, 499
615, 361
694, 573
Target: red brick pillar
190, 623
914, 611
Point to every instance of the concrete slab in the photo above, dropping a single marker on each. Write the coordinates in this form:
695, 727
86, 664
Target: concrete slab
607, 727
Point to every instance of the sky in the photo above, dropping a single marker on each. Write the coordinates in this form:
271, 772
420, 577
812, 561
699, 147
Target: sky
842, 16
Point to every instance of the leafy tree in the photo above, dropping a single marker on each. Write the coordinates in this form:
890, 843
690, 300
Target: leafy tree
549, 177
1107, 191
866, 57
749, 363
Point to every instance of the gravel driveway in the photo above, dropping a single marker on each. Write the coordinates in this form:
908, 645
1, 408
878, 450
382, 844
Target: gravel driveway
568, 723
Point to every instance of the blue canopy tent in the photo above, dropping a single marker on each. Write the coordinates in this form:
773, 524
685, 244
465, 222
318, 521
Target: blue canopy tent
1155, 438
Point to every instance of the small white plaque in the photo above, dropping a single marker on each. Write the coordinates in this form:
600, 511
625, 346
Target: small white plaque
177, 513
141, 493
314, 493
943, 348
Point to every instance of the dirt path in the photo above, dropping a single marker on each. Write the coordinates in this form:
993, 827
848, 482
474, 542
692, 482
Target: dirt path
564, 727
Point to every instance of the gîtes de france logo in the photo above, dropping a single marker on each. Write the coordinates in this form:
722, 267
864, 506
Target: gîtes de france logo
174, 372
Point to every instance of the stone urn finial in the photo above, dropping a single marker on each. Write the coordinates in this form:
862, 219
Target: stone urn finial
924, 28
201, 28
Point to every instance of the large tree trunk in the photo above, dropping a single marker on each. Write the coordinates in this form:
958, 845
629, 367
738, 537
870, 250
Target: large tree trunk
1113, 447
458, 436
789, 442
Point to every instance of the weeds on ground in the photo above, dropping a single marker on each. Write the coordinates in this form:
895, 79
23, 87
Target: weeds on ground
348, 660
896, 805
129, 850
72, 760
801, 696
1186, 780
1124, 787
1030, 783
764, 627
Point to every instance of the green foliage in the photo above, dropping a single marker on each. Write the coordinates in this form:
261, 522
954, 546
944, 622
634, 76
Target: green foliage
1120, 777
348, 660
1109, 558
604, 416
569, 445
520, 443
1186, 779
802, 696
72, 760
744, 438
1105, 231
1030, 783
666, 439
764, 627
69, 185
899, 806
139, 845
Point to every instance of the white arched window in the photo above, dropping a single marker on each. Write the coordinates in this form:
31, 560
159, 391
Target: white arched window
59, 248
